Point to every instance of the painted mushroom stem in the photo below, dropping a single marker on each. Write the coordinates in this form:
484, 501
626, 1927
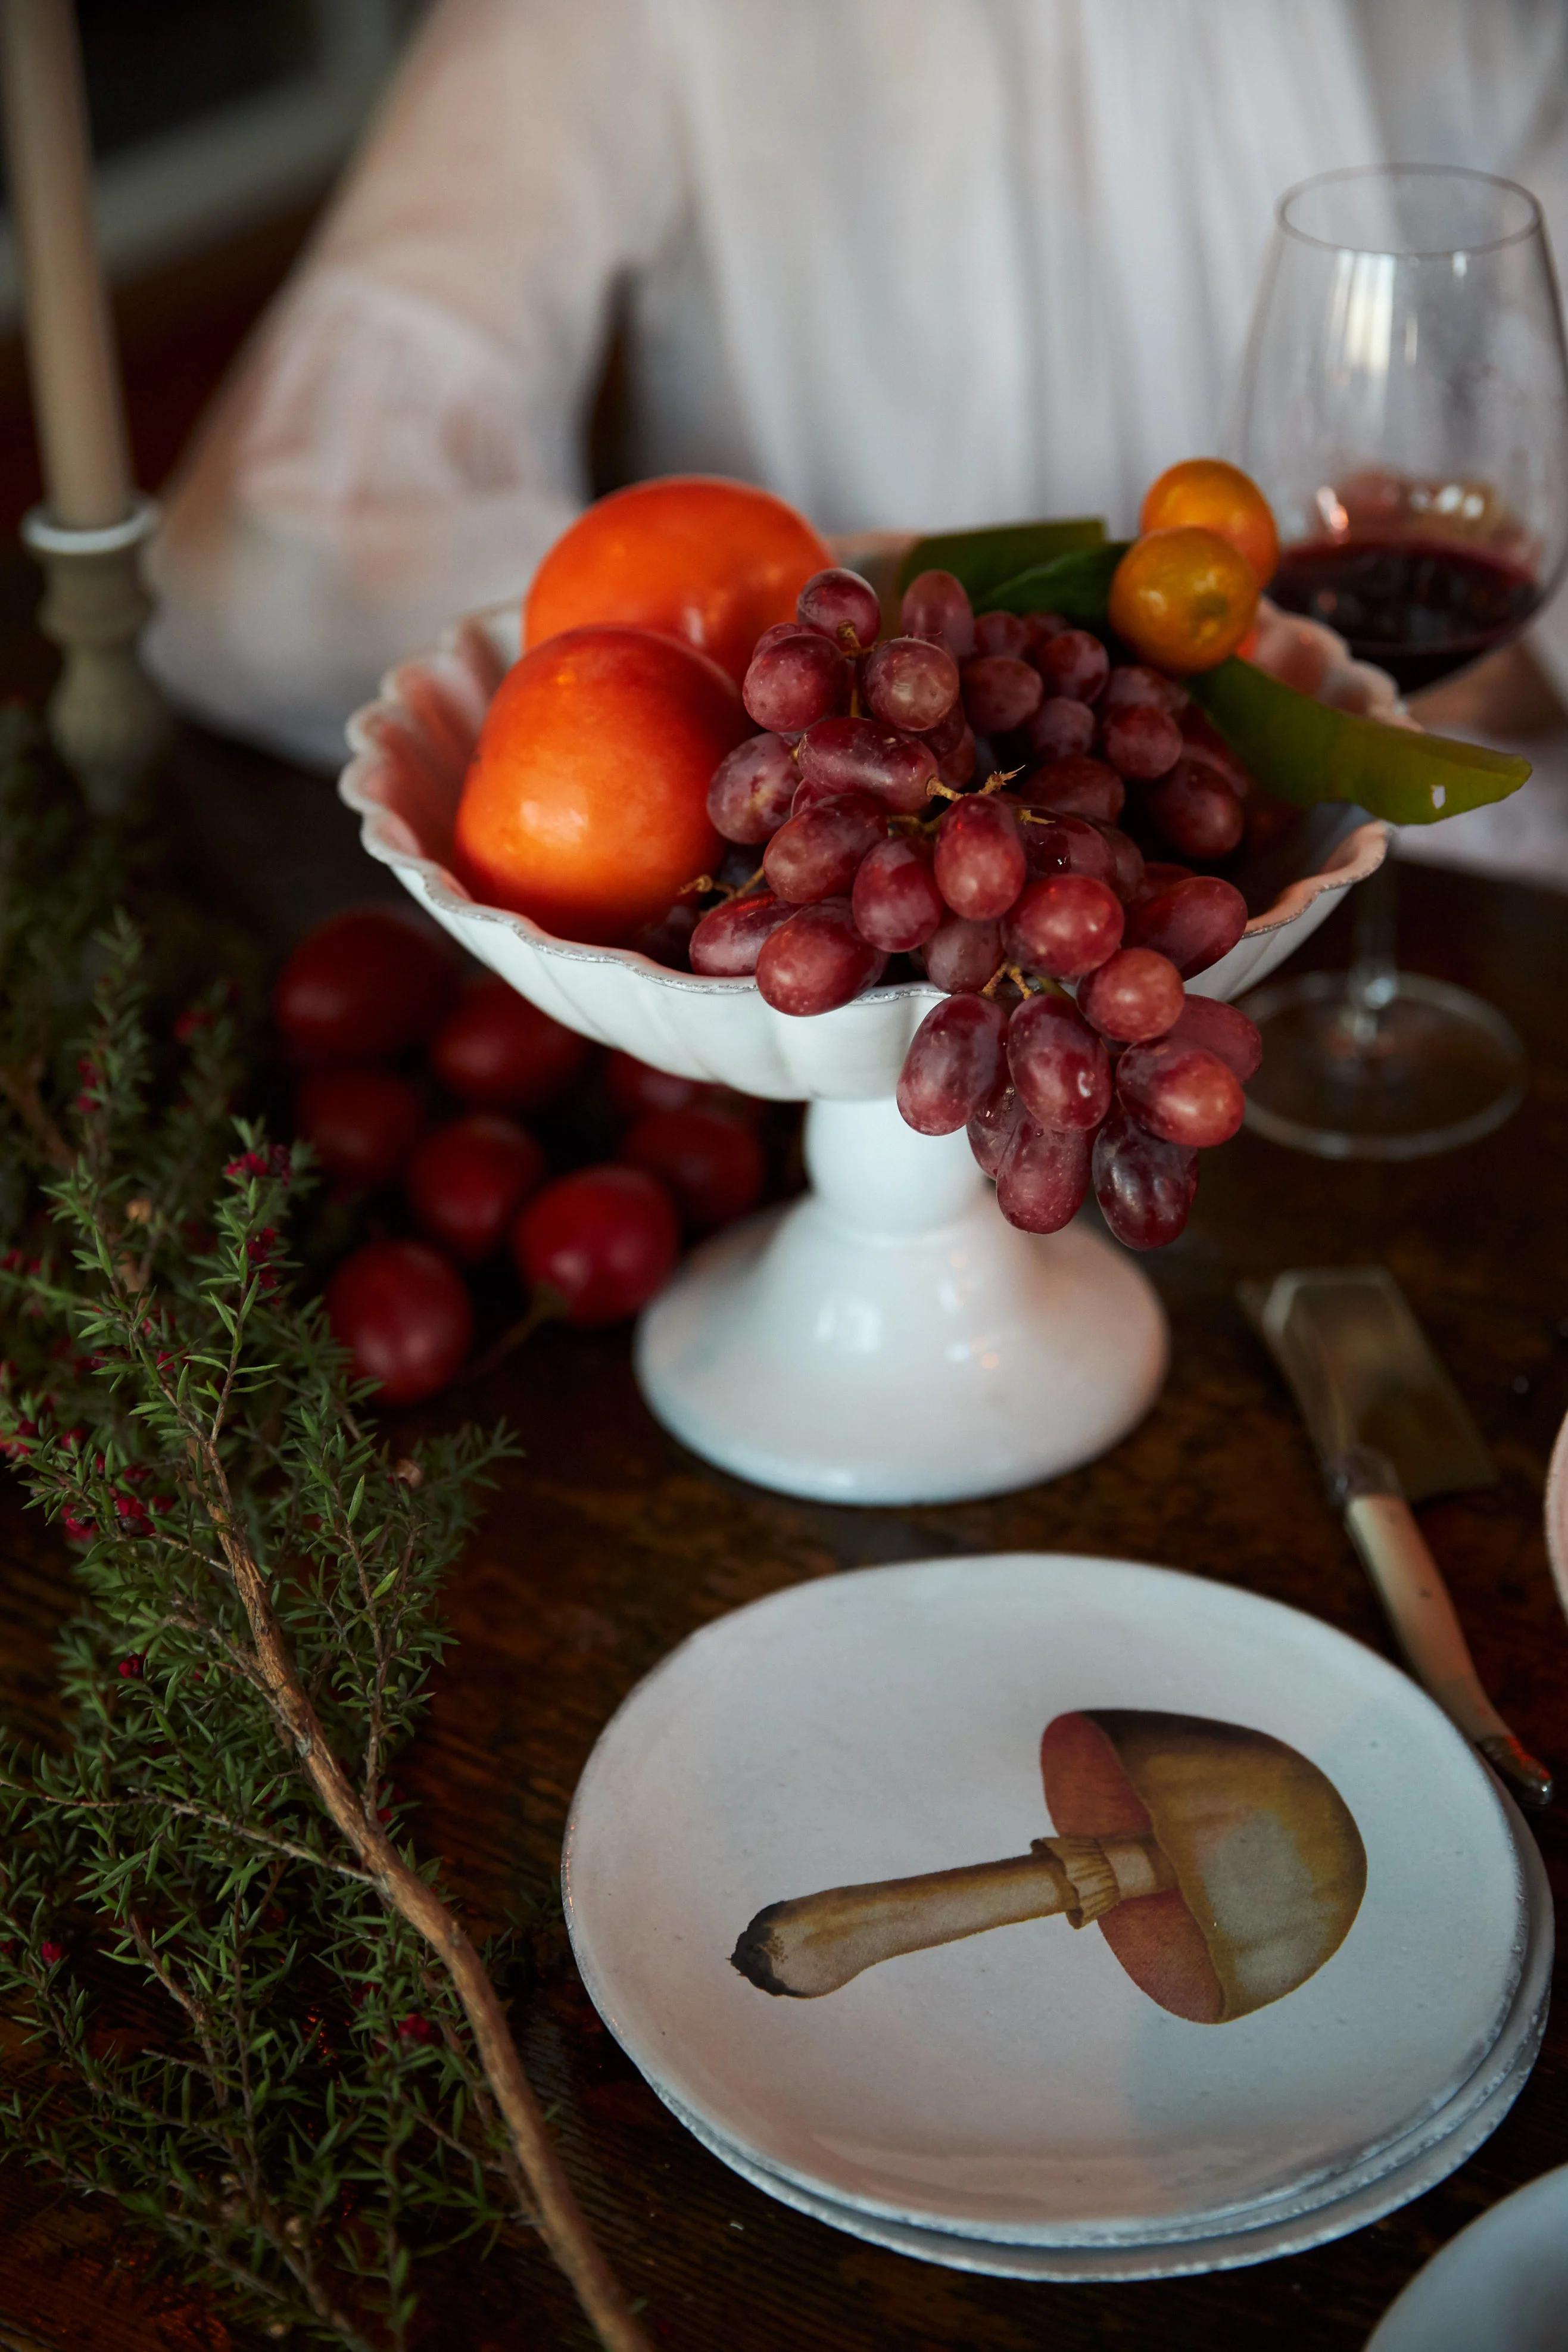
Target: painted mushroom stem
1222, 1866
819, 1942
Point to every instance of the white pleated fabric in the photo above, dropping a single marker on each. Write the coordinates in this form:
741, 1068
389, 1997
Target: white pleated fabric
908, 262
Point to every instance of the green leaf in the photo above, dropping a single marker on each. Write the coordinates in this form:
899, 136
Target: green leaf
1307, 751
1075, 583
982, 558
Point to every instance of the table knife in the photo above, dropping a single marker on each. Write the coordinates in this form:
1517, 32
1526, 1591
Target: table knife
1390, 1428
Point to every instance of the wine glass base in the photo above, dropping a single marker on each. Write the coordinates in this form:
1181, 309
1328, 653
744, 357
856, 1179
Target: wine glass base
1430, 1069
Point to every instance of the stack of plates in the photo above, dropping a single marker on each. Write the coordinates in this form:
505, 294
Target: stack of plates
1325, 1990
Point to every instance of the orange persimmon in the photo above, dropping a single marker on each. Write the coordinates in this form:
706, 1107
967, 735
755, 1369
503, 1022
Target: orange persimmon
713, 562
586, 803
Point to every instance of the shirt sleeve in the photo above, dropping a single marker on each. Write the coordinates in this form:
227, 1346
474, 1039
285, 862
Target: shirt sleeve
405, 434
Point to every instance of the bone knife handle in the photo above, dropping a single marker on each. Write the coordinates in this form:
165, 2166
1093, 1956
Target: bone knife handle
1418, 1606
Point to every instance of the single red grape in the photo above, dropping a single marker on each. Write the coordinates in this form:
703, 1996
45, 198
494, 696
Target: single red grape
842, 605
498, 1052
1195, 922
1043, 1178
937, 607
843, 755
404, 1314
994, 1125
710, 1161
361, 1122
1183, 1094
1000, 692
636, 1088
792, 683
467, 1181
909, 682
604, 1239
947, 733
956, 768
1127, 867
817, 960
1075, 786
1005, 634
816, 855
980, 865
775, 634
668, 940
729, 938
954, 1061
1140, 741
1130, 685
1069, 845
1058, 1066
1222, 1029
1158, 876
1218, 763
960, 955
752, 788
1196, 811
1042, 627
1136, 994
1059, 728
1205, 741
373, 981
1144, 1187
1064, 925
1074, 663
895, 902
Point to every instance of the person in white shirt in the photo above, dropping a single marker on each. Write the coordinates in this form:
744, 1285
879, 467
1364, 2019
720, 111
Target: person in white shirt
909, 263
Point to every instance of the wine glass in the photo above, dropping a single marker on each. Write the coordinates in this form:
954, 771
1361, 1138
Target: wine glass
1404, 403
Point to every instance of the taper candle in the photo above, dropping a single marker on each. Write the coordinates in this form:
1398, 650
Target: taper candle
70, 350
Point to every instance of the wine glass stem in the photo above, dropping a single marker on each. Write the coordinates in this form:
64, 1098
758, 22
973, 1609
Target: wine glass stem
1374, 980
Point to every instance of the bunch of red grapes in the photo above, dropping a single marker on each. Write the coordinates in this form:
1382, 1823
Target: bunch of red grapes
952, 796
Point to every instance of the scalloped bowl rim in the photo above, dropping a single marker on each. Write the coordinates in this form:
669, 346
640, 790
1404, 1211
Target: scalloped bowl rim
1358, 853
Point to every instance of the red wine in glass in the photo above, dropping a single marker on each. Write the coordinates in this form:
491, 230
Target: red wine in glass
1420, 608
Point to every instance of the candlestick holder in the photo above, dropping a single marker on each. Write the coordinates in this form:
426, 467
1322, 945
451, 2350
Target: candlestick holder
107, 720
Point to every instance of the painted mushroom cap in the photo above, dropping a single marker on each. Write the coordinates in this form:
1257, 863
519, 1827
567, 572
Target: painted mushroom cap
1269, 1864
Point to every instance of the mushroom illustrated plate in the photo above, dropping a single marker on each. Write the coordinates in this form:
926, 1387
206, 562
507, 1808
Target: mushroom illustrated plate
1288, 2225
1057, 1903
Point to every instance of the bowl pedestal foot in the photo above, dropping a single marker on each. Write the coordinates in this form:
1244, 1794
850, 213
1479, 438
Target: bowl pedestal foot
891, 1338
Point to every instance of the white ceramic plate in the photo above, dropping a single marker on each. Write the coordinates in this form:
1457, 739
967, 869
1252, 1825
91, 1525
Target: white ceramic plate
1557, 1516
1264, 2233
1502, 2284
1018, 2085
1153, 2260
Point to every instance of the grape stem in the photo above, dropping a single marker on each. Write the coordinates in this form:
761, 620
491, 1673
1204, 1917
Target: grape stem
1021, 981
705, 883
547, 1305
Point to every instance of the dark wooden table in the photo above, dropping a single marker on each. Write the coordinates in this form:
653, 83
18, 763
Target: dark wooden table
610, 1543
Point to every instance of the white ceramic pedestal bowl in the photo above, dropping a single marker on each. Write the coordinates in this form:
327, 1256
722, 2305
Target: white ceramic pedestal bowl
889, 1337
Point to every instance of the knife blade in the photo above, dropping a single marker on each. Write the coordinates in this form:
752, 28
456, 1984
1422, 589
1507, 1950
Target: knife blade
1390, 1428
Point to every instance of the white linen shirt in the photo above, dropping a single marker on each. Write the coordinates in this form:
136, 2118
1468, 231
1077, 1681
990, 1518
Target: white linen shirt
910, 263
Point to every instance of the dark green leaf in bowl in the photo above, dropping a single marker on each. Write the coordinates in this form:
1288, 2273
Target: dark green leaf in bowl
981, 559
1305, 751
